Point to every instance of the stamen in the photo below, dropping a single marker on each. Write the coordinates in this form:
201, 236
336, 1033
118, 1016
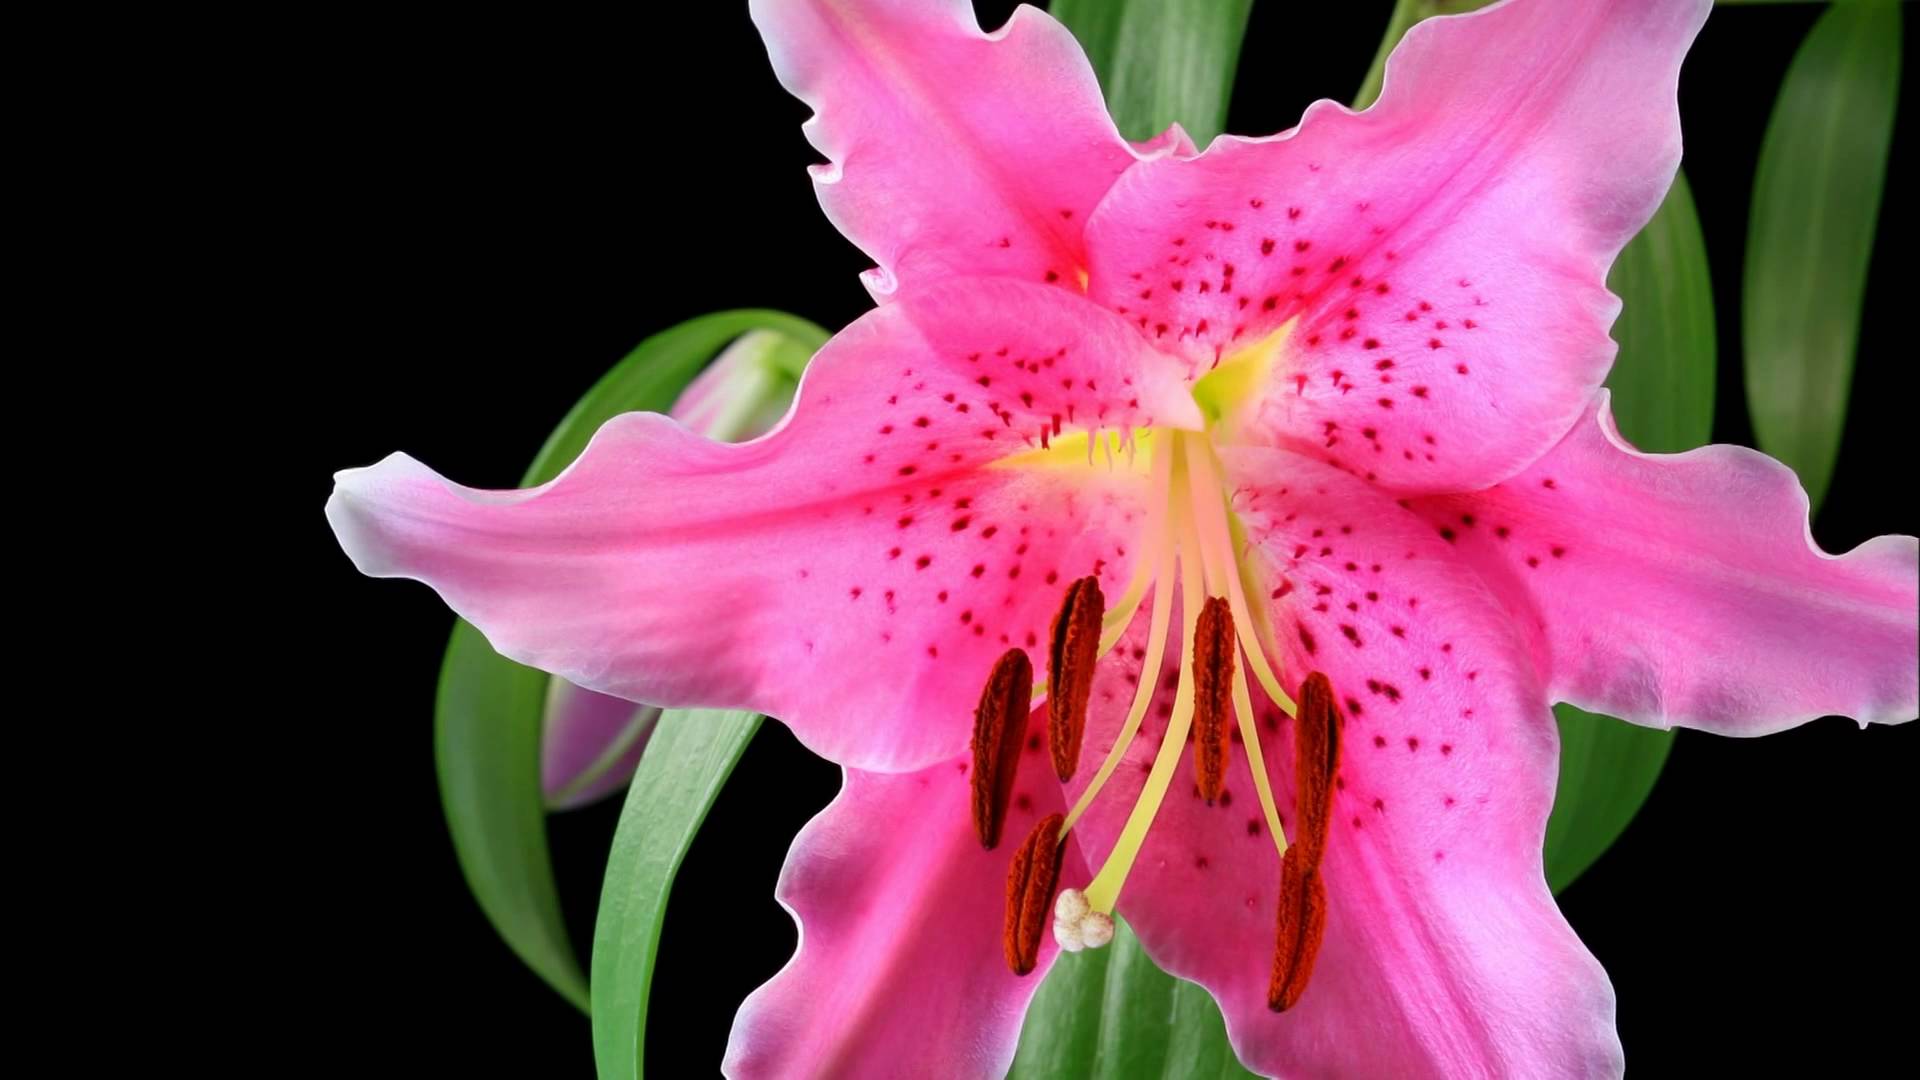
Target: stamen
1302, 923
1105, 888
1213, 672
999, 725
1157, 626
1031, 879
1070, 664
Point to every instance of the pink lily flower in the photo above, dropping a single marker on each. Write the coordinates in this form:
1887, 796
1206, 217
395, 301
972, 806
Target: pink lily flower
1292, 452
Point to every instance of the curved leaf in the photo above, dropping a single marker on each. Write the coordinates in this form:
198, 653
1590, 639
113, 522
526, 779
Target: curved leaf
1161, 61
1816, 195
692, 754
488, 711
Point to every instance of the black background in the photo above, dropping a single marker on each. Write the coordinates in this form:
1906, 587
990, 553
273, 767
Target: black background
501, 206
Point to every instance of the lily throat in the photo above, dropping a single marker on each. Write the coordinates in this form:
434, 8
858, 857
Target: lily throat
1191, 543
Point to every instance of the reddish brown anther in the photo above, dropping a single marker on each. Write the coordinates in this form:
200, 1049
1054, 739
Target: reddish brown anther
1213, 652
1070, 662
999, 724
1316, 757
1303, 896
1031, 879
1302, 923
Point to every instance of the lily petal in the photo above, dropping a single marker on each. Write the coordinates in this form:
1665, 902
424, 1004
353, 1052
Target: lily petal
1444, 954
864, 561
1444, 252
951, 151
900, 970
1686, 589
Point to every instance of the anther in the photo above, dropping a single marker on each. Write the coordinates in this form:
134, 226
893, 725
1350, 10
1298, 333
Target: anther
1213, 649
1070, 663
1030, 883
1302, 923
1303, 896
999, 724
1316, 757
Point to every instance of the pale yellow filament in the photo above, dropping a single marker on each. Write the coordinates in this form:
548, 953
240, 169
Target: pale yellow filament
1162, 559
1105, 888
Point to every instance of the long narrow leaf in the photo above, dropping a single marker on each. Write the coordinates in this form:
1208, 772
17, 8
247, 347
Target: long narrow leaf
488, 711
1816, 198
1162, 61
692, 754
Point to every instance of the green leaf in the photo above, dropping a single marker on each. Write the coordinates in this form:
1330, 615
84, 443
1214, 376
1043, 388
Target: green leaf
487, 751
1663, 380
1816, 196
1607, 770
1111, 1013
691, 755
1161, 61
488, 712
